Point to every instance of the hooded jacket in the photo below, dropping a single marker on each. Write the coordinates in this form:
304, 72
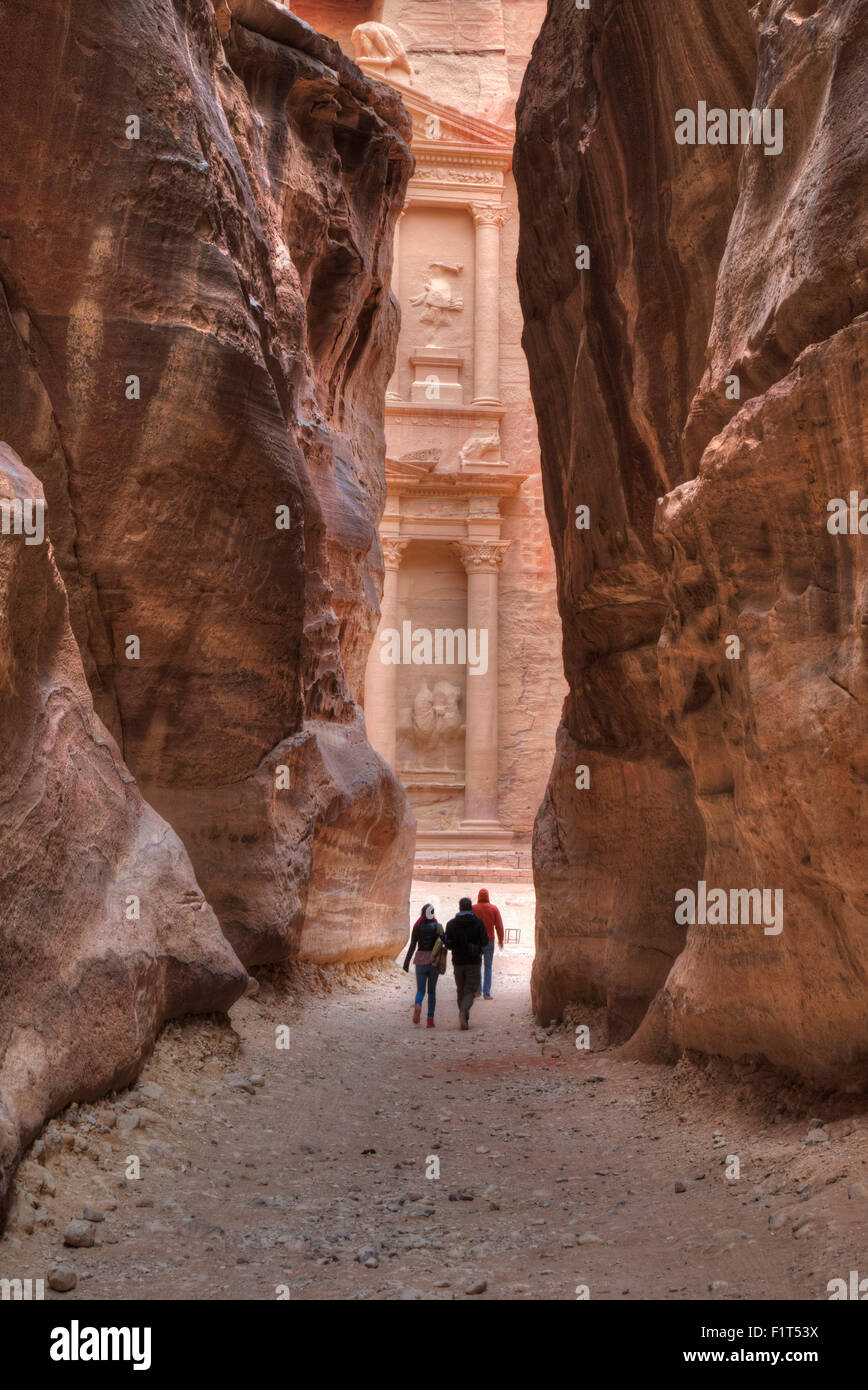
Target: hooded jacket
463, 932
489, 914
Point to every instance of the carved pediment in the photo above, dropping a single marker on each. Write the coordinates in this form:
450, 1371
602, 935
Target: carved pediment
414, 465
440, 131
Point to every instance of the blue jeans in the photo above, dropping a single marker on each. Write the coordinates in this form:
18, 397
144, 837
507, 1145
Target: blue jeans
487, 963
426, 976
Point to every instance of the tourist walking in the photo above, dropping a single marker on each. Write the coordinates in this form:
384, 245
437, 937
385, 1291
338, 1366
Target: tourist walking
428, 938
490, 917
466, 938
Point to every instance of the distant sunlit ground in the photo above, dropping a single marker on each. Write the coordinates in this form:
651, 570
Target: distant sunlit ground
517, 903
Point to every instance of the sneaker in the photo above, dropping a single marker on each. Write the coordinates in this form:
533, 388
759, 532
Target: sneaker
479, 995
488, 996
465, 1022
417, 1012
430, 1023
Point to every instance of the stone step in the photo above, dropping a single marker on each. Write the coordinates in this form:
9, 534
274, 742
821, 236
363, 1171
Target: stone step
444, 872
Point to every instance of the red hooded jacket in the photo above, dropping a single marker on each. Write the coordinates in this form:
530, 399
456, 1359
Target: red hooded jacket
489, 914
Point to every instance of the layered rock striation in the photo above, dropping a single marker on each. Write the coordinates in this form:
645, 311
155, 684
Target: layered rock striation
696, 332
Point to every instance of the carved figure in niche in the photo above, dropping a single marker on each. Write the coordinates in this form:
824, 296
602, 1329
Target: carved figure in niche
375, 40
475, 447
437, 715
437, 298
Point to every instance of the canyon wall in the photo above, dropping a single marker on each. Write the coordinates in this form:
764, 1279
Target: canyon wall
197, 329
698, 376
198, 334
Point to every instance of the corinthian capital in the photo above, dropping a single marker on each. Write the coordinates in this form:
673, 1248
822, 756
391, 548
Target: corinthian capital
480, 555
490, 214
392, 552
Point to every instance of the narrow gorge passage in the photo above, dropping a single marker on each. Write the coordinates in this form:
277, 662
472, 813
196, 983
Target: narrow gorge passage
433, 505
558, 1168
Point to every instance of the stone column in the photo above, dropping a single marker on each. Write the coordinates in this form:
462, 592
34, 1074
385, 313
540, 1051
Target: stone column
381, 680
486, 310
481, 560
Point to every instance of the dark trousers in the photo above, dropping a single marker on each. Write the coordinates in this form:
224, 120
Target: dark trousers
466, 985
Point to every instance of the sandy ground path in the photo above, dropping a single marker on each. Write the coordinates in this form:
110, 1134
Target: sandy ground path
557, 1168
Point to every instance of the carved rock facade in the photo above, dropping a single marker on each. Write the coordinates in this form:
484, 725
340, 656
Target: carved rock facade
464, 501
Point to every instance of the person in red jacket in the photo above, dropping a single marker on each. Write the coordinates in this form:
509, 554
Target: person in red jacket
490, 916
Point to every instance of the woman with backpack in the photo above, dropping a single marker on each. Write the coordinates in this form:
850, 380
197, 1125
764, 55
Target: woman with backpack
429, 960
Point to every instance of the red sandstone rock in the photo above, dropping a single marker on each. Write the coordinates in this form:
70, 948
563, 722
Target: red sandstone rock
778, 740
704, 261
235, 259
613, 351
85, 983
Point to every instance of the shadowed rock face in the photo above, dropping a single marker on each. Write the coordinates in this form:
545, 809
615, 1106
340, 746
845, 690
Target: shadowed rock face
222, 508
707, 520
85, 982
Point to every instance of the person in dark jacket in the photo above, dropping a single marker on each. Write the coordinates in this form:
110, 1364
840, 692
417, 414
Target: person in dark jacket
466, 938
426, 931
